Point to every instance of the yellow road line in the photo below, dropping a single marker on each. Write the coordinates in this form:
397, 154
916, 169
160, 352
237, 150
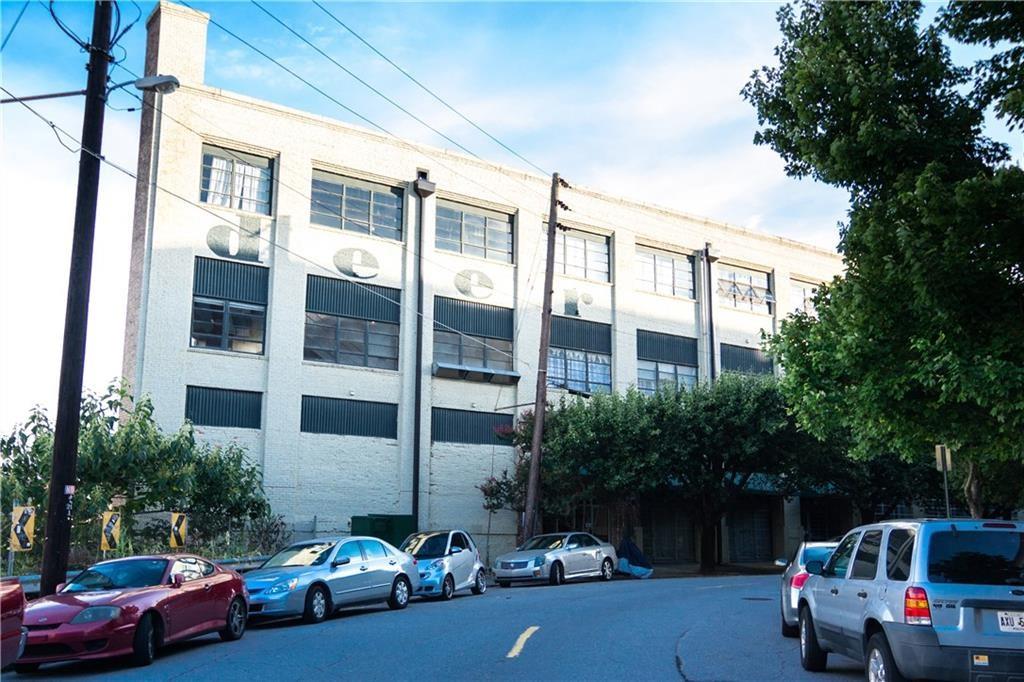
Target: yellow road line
517, 648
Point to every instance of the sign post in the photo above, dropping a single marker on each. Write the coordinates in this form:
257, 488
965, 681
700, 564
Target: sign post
944, 462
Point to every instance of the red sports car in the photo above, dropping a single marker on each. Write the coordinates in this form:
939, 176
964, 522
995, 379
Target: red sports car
12, 610
130, 607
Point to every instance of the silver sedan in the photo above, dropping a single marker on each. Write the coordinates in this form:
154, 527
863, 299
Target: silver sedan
557, 557
793, 579
313, 578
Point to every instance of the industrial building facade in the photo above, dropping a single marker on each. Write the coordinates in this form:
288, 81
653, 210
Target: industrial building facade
297, 282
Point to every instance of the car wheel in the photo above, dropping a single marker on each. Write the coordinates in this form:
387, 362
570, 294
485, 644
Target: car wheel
503, 583
400, 591
317, 605
879, 664
607, 570
480, 584
144, 642
235, 627
557, 576
787, 629
448, 588
26, 668
812, 656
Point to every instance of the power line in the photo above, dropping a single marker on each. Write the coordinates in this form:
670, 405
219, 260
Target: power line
428, 90
14, 25
349, 72
260, 236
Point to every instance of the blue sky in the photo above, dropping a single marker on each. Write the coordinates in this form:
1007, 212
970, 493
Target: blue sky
640, 100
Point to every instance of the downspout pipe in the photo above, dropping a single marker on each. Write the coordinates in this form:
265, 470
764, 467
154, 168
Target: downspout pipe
709, 298
424, 188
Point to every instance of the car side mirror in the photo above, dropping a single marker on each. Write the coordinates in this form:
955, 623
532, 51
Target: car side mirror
61, 586
815, 567
341, 561
781, 563
177, 580
456, 550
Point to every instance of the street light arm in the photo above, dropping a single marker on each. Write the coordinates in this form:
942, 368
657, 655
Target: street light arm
69, 93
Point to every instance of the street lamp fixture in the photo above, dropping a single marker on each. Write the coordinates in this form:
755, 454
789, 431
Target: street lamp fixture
163, 85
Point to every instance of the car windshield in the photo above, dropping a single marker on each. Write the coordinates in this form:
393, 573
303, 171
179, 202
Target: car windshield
426, 545
816, 554
119, 575
545, 542
305, 554
977, 557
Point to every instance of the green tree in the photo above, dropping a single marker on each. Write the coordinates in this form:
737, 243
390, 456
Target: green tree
922, 339
708, 446
124, 454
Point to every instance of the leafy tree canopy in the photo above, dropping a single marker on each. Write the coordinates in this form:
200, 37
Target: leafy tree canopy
922, 339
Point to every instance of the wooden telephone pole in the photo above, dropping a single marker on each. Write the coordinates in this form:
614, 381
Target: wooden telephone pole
540, 403
65, 434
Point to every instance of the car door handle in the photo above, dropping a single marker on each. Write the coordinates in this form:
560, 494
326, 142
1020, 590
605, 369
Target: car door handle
206, 587
862, 594
834, 590
392, 562
362, 568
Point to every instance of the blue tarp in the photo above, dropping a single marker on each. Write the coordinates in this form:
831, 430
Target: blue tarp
632, 561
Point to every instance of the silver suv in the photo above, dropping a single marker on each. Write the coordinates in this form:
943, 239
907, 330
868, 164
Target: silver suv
939, 600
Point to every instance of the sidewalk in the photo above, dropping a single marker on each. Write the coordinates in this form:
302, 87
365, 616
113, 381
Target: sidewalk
693, 570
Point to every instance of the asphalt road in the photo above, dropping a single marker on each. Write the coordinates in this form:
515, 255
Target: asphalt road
694, 629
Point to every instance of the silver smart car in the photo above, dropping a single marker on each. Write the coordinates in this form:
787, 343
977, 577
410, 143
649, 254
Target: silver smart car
448, 561
557, 557
314, 577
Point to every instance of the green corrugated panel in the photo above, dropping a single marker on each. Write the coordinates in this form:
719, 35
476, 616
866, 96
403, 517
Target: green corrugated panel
348, 299
470, 317
679, 350
569, 332
745, 360
206, 406
229, 280
466, 426
344, 417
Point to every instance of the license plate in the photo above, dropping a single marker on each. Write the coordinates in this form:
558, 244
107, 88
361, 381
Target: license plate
1011, 621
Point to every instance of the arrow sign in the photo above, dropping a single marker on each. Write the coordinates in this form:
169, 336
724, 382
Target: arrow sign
111, 531
23, 526
179, 529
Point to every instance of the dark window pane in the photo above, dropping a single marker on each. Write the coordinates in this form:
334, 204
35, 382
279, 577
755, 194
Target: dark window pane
865, 564
899, 551
976, 557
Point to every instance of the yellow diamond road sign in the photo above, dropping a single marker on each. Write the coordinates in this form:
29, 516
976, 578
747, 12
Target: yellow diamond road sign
111, 535
23, 527
179, 529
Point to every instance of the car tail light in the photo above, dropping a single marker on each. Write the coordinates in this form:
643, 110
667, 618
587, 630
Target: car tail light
998, 525
798, 580
915, 607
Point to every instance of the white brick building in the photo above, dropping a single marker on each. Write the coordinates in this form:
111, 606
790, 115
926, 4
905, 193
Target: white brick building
274, 299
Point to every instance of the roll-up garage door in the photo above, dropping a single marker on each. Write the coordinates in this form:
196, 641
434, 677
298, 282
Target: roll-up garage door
750, 535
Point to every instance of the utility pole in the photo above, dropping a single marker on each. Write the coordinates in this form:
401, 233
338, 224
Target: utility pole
69, 400
533, 485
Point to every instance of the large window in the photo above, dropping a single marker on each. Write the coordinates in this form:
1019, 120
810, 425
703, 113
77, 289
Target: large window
745, 289
664, 273
665, 361
801, 297
351, 324
652, 376
344, 417
351, 341
355, 205
583, 255
472, 351
579, 370
229, 306
468, 334
474, 231
236, 180
745, 360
